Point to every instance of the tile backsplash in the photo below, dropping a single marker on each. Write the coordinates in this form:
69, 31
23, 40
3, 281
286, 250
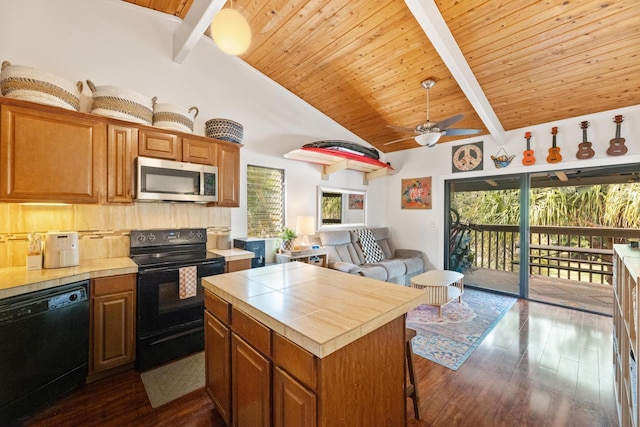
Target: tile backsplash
103, 230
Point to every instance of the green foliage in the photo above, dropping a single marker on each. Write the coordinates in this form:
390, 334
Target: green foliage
616, 205
331, 206
288, 234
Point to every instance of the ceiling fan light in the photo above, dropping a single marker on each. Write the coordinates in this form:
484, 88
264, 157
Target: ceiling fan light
231, 32
429, 138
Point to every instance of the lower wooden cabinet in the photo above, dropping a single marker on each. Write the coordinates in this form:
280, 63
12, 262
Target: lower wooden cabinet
112, 338
237, 265
217, 344
243, 376
293, 404
250, 385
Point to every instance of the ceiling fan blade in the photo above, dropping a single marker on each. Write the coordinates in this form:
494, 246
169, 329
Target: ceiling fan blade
443, 124
398, 140
453, 132
402, 128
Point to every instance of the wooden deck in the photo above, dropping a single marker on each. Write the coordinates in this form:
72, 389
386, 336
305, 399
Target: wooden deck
592, 297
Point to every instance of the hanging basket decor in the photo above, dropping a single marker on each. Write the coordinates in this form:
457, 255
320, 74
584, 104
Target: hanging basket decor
503, 159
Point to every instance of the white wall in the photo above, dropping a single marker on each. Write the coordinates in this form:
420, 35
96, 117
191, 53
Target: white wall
424, 229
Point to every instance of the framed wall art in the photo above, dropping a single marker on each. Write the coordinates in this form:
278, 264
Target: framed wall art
467, 157
356, 201
416, 193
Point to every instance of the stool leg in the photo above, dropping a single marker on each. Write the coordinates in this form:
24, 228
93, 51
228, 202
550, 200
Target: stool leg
412, 388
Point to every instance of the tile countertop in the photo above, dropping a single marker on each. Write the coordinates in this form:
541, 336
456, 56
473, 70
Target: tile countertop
233, 254
19, 280
320, 309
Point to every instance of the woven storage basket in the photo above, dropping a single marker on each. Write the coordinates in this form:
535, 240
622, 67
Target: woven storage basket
124, 104
31, 84
174, 117
224, 129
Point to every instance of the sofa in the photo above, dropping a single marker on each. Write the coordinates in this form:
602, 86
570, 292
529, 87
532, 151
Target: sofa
350, 251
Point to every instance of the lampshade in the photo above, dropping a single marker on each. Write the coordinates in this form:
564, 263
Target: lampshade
429, 138
231, 32
305, 225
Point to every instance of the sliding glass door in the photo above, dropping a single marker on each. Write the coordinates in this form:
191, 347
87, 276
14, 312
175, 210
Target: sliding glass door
485, 232
545, 236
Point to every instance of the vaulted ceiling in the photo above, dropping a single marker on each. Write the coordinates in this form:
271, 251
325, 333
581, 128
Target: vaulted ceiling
504, 64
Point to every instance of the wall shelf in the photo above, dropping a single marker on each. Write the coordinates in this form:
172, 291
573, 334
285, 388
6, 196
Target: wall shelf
334, 161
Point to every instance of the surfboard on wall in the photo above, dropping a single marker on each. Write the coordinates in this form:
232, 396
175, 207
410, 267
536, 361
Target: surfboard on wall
345, 146
327, 156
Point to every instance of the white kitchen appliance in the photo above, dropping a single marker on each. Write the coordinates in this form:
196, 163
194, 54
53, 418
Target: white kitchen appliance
61, 249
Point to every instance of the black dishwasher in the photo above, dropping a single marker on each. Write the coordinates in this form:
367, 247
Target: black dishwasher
44, 345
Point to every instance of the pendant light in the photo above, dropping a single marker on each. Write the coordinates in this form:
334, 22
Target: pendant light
231, 31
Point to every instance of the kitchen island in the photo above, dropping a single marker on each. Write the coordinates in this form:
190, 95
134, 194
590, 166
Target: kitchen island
300, 345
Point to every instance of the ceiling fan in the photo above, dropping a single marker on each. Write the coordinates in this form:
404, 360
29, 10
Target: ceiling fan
428, 133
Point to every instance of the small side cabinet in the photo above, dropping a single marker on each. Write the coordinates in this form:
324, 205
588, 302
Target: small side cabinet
112, 338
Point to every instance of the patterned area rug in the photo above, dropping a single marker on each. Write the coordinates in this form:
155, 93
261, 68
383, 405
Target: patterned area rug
174, 380
450, 339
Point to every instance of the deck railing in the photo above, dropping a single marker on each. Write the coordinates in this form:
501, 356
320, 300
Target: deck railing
576, 253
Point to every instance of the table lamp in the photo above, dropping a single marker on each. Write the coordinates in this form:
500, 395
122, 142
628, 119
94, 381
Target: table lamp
305, 226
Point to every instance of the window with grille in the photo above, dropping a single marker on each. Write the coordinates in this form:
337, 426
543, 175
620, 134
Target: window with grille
265, 201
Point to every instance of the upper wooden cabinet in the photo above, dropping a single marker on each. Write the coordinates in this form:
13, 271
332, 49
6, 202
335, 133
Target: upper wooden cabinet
199, 151
50, 157
122, 149
49, 154
160, 144
229, 175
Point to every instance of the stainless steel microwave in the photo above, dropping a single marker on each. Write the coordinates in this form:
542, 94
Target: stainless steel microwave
166, 180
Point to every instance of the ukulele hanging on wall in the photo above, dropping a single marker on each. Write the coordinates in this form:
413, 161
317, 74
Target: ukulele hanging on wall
584, 148
528, 158
554, 152
616, 145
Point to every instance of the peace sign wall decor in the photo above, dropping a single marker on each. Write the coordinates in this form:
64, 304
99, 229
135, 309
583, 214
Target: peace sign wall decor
467, 157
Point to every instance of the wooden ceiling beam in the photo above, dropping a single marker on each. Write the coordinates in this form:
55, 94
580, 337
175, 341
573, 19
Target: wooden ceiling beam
428, 16
193, 26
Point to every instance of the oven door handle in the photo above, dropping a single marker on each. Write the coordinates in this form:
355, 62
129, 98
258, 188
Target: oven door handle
157, 270
174, 268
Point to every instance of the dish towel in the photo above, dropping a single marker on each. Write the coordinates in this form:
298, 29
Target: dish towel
188, 282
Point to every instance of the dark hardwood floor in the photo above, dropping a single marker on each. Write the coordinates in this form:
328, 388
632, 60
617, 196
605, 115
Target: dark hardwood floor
541, 366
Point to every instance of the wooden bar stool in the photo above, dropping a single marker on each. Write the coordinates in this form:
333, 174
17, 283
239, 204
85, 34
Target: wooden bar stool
412, 387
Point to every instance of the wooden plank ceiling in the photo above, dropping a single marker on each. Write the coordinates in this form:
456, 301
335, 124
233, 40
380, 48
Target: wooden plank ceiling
361, 62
